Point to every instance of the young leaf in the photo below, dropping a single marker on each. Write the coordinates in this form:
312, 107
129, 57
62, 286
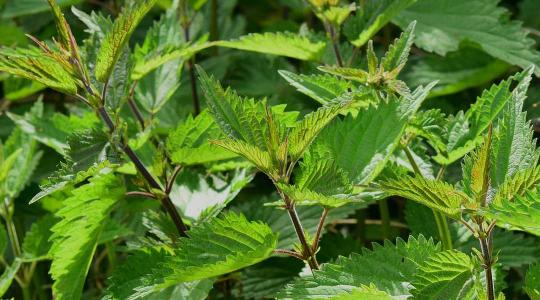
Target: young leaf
278, 43
388, 267
444, 24
435, 194
398, 52
75, 237
519, 213
36, 243
514, 148
30, 63
190, 143
445, 275
61, 25
118, 36
373, 16
241, 244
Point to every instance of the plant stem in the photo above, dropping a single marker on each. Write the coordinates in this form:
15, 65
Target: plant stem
320, 227
165, 200
385, 218
307, 253
444, 231
440, 219
133, 106
335, 40
12, 232
486, 254
214, 21
192, 77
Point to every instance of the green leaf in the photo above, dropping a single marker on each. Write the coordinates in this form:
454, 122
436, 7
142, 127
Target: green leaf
9, 274
323, 88
372, 17
75, 237
437, 195
190, 143
520, 213
280, 221
62, 26
266, 278
444, 24
278, 43
193, 290
202, 196
31, 63
365, 293
24, 162
513, 146
463, 132
532, 282
398, 52
389, 268
306, 130
445, 275
220, 246
16, 88
518, 185
260, 158
36, 244
457, 71
360, 145
18, 8
115, 40
514, 250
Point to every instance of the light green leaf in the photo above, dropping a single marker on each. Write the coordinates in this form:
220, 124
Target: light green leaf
323, 88
115, 40
193, 290
519, 213
444, 24
365, 293
389, 268
398, 52
75, 237
445, 275
371, 17
278, 43
9, 274
260, 158
191, 143
437, 195
220, 246
16, 88
31, 63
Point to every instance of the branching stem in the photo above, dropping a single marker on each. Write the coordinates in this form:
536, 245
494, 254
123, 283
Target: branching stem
320, 227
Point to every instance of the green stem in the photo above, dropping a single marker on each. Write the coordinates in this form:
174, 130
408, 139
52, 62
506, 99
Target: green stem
440, 219
444, 231
385, 219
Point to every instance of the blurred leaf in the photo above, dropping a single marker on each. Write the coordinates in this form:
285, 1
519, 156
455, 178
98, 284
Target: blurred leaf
18, 8
444, 24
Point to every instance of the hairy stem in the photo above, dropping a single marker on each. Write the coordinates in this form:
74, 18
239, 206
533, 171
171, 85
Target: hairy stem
485, 247
335, 43
385, 218
320, 227
307, 253
165, 200
440, 219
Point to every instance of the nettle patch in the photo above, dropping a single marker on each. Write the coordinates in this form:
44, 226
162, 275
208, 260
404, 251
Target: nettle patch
142, 201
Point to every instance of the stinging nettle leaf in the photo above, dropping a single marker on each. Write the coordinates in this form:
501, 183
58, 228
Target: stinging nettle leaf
75, 237
443, 24
278, 43
241, 244
118, 36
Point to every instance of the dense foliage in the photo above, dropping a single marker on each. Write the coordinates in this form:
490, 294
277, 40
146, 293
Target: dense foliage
293, 149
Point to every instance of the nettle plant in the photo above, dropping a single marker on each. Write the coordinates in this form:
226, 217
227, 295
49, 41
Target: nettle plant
117, 195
